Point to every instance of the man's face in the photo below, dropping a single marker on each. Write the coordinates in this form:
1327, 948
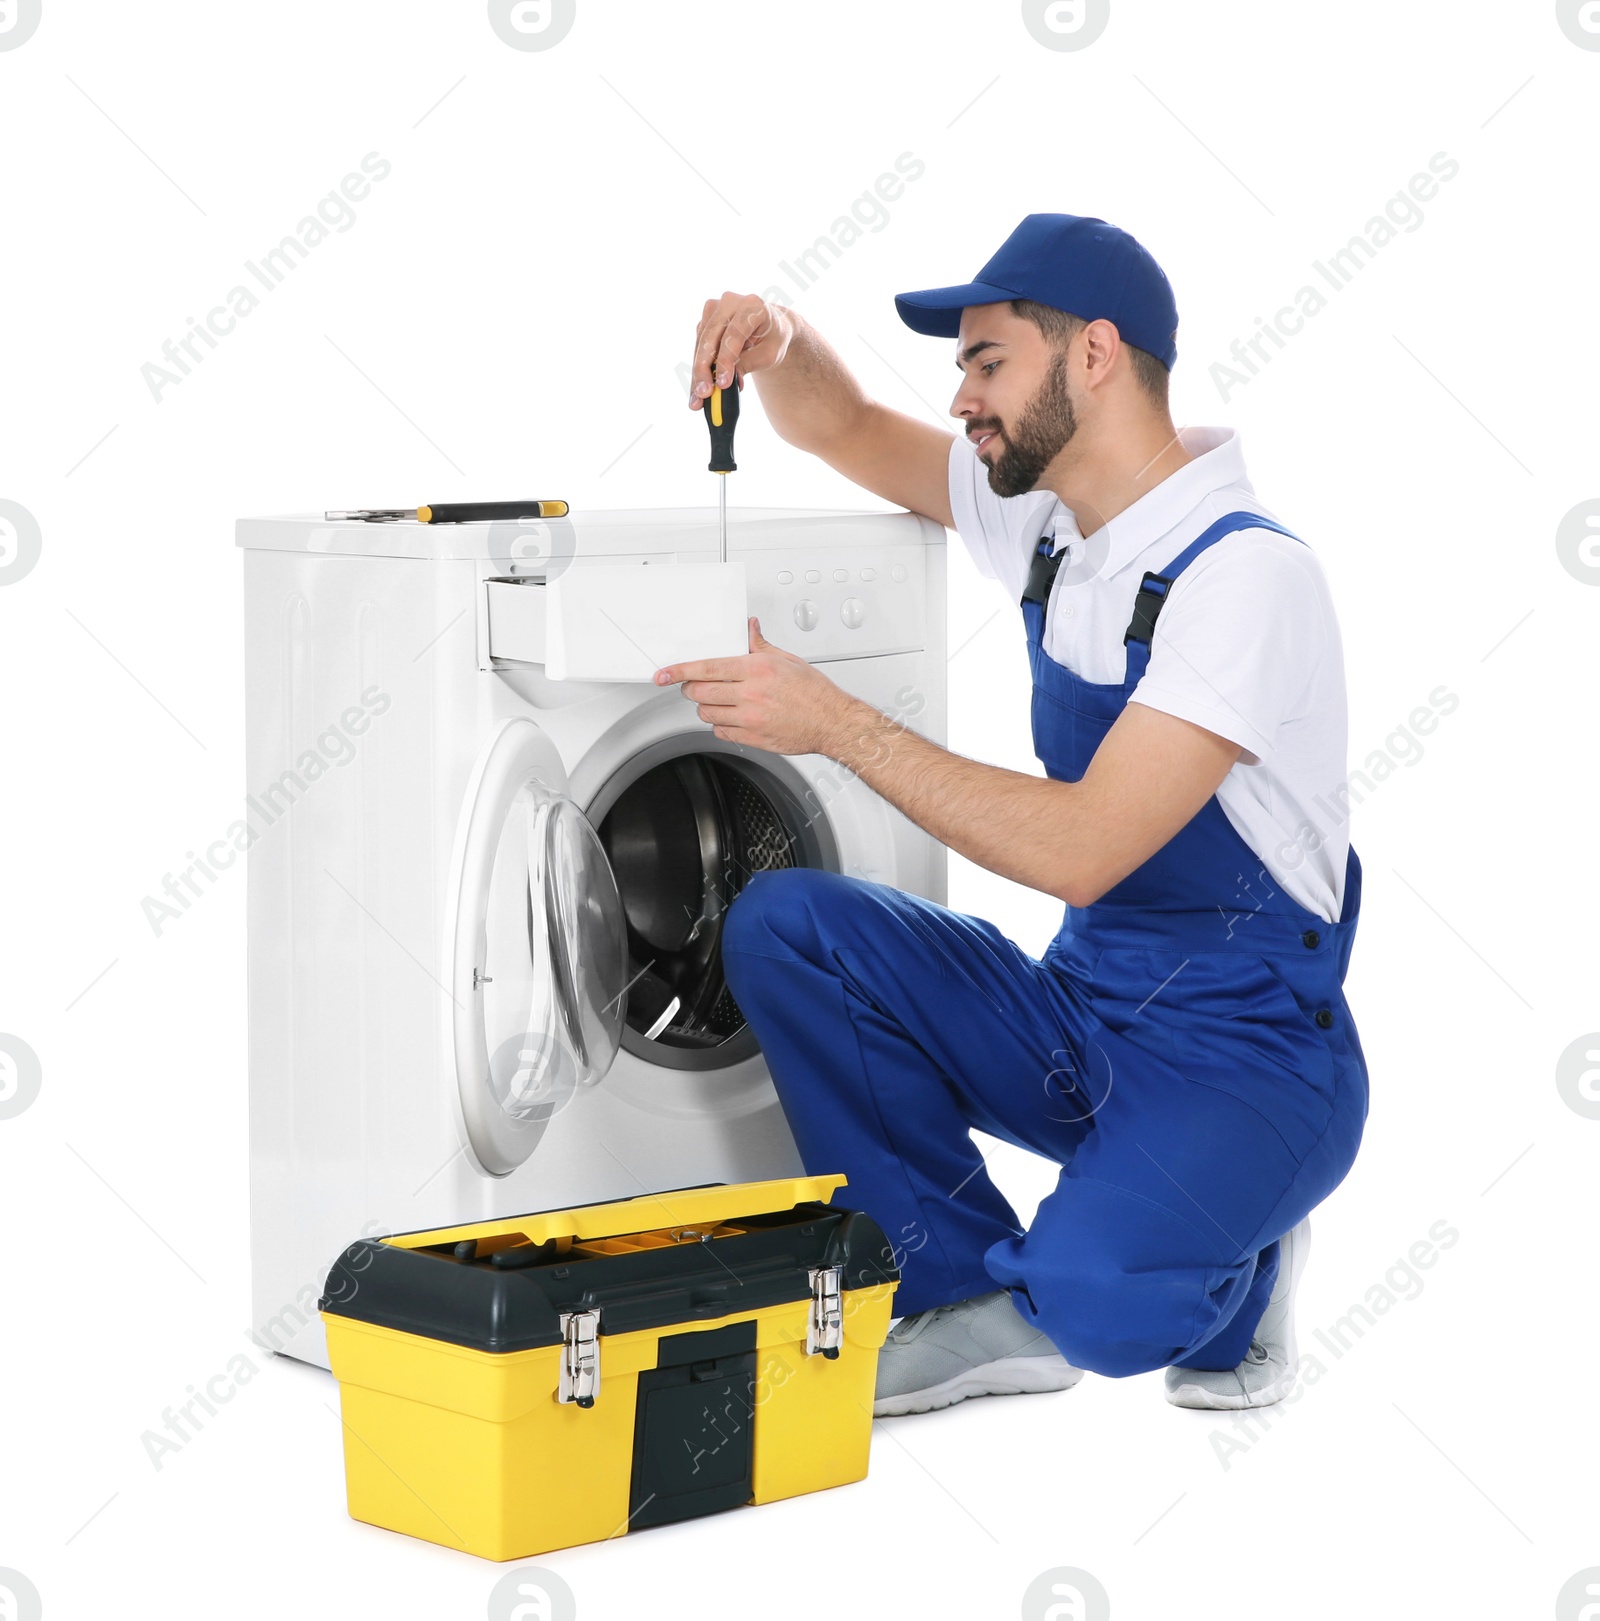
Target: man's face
1014, 399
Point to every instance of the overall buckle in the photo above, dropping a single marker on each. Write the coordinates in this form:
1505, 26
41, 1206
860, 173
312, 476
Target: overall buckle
1146, 606
1042, 574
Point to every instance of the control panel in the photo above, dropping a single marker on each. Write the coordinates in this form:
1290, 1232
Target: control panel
839, 603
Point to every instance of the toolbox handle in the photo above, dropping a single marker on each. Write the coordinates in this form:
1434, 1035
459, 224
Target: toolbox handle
680, 1207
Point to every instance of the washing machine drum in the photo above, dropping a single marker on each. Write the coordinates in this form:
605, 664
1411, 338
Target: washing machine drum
683, 840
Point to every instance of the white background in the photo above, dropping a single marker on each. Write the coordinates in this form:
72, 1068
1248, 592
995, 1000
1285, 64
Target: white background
505, 318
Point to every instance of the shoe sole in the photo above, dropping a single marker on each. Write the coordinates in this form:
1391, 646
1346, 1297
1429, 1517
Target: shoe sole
1198, 1397
1007, 1376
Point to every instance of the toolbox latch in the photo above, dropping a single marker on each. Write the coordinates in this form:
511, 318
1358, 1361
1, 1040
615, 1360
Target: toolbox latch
825, 1325
580, 1358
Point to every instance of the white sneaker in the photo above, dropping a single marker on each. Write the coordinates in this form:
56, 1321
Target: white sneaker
1267, 1373
978, 1347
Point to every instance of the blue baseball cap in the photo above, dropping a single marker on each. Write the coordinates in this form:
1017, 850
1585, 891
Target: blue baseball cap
1070, 262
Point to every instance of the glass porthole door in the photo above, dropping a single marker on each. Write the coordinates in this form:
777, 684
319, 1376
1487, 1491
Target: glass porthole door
539, 955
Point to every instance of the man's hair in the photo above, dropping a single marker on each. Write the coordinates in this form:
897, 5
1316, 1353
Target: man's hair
1061, 328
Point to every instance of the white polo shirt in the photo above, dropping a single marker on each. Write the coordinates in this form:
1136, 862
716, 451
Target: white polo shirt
1247, 644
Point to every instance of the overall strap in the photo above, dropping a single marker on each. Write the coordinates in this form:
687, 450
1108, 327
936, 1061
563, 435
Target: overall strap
1153, 588
1042, 573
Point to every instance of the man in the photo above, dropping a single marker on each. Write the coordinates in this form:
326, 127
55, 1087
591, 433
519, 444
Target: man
1183, 1049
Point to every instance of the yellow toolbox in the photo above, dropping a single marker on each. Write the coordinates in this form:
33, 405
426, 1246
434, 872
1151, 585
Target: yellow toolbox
509, 1387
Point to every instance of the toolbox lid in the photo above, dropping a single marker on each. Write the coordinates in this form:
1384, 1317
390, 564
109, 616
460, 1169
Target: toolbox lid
716, 1201
643, 1263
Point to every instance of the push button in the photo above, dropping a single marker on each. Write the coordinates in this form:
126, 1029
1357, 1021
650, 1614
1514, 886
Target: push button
1311, 939
1324, 1019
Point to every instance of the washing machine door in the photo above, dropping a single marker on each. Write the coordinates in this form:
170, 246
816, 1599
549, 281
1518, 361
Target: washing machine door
539, 960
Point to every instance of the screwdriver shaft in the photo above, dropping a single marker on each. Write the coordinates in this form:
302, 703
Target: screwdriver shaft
722, 412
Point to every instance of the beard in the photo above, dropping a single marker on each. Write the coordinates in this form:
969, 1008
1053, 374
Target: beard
1044, 426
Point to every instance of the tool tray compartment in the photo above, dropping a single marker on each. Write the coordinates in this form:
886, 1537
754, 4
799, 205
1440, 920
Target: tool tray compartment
515, 1386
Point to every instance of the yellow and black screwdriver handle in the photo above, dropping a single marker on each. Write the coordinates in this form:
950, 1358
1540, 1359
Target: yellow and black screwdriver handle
722, 413
490, 511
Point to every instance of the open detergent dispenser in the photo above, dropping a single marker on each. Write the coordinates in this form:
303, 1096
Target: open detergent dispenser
516, 1386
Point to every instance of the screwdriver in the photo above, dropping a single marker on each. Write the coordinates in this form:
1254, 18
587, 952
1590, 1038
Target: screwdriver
722, 414
460, 512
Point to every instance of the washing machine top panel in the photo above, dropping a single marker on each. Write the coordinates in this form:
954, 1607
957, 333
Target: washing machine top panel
687, 532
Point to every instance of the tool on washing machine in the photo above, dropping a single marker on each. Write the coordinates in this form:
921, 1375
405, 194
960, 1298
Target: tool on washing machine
722, 415
458, 512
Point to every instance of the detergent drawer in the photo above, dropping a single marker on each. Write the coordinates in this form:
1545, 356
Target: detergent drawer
517, 620
620, 621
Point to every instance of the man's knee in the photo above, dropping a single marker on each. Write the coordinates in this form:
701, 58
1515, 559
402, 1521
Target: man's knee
773, 910
1106, 1325
1118, 1288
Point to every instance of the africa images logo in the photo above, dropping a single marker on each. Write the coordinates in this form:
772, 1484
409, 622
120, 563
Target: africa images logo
1580, 22
532, 25
1066, 25
531, 1593
1578, 1077
20, 1079
19, 1598
1065, 1594
20, 543
1578, 539
18, 20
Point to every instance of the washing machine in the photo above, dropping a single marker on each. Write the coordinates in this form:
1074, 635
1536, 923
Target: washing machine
485, 904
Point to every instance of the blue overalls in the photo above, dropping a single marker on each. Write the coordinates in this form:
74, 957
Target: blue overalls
1183, 1050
